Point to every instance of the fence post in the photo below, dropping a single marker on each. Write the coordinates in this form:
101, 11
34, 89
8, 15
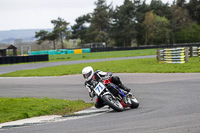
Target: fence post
191, 51
186, 54
158, 55
198, 49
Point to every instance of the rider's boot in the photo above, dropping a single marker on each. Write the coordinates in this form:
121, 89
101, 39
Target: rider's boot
124, 88
125, 99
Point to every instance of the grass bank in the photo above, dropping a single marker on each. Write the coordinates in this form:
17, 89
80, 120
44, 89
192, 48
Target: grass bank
123, 66
20, 108
95, 55
99, 55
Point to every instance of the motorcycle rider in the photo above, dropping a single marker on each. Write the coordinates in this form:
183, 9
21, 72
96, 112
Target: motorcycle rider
92, 77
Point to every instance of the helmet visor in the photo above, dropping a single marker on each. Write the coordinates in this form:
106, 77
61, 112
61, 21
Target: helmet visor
87, 75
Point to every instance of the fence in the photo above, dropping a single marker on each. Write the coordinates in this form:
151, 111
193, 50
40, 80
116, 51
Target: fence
199, 52
23, 59
193, 51
102, 49
173, 55
61, 51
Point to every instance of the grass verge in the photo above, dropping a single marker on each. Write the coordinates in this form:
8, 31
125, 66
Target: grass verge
123, 66
94, 55
98, 55
21, 108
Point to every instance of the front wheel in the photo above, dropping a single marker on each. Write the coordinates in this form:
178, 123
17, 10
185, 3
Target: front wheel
113, 103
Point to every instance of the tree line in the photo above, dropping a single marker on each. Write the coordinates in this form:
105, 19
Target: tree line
133, 22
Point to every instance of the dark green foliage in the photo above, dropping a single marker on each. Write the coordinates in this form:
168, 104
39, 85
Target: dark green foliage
60, 32
123, 27
41, 35
160, 8
194, 10
79, 29
190, 34
129, 24
99, 27
60, 29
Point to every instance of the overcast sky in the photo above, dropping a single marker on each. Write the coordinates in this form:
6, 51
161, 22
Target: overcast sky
37, 14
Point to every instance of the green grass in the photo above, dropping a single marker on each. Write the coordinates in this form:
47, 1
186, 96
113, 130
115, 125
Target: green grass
98, 55
95, 55
20, 108
123, 66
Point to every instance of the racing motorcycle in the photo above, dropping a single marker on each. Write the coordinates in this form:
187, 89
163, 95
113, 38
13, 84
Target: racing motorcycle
114, 97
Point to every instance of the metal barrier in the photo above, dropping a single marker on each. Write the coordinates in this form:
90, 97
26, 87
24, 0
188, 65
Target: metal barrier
173, 55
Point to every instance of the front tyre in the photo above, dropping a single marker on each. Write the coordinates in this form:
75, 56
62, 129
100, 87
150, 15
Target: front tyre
113, 103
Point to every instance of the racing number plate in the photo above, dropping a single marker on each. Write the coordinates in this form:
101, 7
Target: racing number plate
99, 88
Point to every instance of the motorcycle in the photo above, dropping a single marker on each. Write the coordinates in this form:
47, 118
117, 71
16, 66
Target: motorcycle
114, 97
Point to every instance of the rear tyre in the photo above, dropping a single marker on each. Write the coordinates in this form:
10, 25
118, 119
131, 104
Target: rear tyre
113, 103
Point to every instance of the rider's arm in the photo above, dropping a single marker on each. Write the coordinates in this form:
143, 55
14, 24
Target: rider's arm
90, 90
104, 74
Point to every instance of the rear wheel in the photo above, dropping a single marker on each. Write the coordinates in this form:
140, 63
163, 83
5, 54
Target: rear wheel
113, 103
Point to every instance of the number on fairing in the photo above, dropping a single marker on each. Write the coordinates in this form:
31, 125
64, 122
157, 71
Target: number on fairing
99, 88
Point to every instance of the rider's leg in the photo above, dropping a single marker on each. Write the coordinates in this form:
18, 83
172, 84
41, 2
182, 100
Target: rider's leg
99, 103
124, 87
116, 80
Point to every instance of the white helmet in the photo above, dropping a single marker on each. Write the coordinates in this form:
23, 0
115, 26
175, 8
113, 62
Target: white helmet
88, 73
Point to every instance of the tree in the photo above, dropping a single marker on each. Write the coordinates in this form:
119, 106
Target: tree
41, 35
180, 3
123, 27
194, 10
79, 29
141, 9
160, 9
190, 34
157, 29
60, 29
149, 27
180, 20
59, 32
100, 22
51, 36
162, 32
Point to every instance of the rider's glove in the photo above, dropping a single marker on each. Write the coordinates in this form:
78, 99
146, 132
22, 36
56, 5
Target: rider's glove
94, 83
91, 95
109, 74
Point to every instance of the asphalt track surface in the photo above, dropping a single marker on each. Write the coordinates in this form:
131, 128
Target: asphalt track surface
169, 103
